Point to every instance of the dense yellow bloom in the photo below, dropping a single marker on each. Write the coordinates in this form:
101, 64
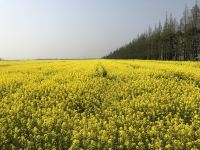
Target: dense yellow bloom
99, 104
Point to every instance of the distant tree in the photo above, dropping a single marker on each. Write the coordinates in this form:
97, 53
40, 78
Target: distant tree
171, 41
195, 31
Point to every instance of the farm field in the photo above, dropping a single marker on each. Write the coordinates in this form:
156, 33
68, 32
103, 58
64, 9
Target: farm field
99, 104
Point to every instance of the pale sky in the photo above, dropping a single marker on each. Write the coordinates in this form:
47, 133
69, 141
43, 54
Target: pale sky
31, 29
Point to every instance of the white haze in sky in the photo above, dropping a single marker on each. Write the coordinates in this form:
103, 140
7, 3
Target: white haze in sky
31, 29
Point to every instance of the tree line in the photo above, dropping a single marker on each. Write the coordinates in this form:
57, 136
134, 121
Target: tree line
173, 40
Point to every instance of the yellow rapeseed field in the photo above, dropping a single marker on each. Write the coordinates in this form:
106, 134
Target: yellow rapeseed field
99, 104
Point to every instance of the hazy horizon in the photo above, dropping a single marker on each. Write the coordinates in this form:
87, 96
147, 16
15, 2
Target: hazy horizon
77, 29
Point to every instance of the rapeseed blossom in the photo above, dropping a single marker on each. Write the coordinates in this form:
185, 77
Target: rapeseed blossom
99, 104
